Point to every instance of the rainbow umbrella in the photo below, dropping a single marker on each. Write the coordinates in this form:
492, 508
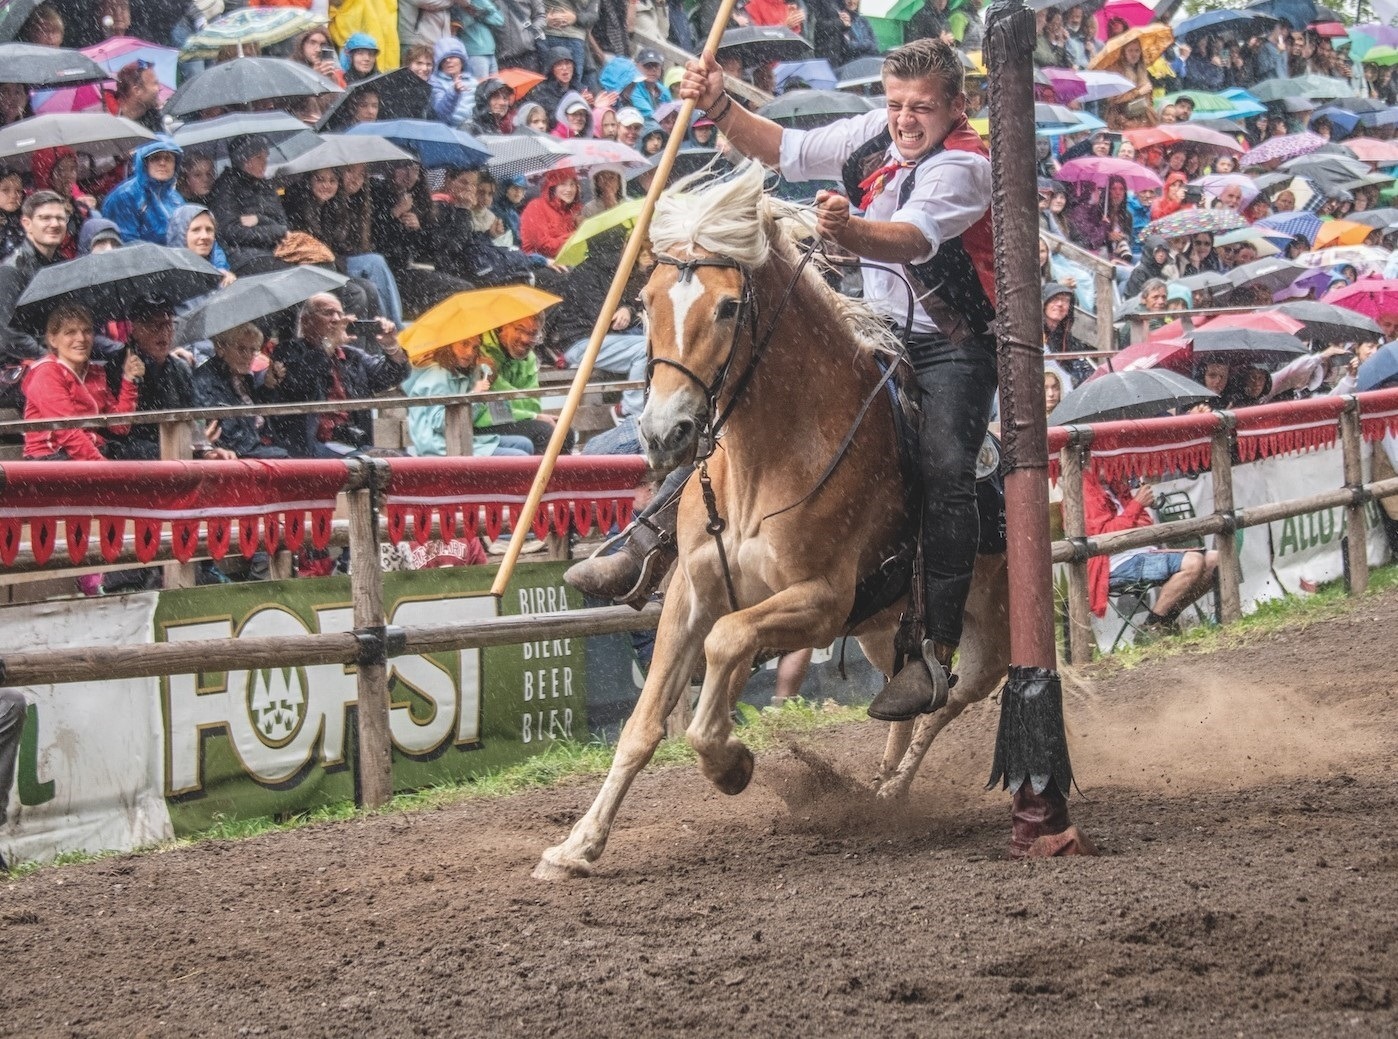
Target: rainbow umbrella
473, 313
249, 27
1195, 221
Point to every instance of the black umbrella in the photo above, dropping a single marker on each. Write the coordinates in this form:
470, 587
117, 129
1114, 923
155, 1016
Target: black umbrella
13, 15
1210, 282
92, 133
245, 80
402, 95
211, 136
36, 66
814, 104
107, 283
254, 297
756, 44
1140, 393
1273, 273
1246, 346
1326, 323
860, 72
1381, 218
513, 155
336, 150
687, 161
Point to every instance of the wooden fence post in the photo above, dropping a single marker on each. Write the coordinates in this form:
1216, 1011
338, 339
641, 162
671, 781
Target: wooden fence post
457, 430
375, 764
1230, 607
1356, 521
1070, 468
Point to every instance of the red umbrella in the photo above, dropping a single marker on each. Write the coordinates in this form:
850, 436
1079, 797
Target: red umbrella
1100, 169
1176, 355
1372, 297
1261, 320
1167, 134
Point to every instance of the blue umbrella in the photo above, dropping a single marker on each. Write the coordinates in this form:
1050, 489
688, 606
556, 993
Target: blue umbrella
1216, 21
816, 72
434, 144
1293, 224
1380, 369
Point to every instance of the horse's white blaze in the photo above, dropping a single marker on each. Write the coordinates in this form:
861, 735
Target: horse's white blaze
683, 295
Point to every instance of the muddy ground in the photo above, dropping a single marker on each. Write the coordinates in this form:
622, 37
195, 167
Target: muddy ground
1243, 801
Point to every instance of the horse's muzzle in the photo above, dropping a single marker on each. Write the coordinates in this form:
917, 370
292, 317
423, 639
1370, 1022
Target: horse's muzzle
669, 429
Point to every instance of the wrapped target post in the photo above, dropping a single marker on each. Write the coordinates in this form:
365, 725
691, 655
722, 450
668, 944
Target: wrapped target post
1031, 748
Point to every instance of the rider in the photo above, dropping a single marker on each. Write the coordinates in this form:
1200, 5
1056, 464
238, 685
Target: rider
920, 177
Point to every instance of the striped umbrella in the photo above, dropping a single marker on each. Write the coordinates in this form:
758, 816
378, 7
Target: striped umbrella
249, 27
1283, 148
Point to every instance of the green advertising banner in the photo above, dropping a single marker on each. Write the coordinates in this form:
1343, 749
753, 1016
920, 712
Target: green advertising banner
265, 742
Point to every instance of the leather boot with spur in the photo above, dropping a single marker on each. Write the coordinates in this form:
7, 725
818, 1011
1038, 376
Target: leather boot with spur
629, 567
920, 688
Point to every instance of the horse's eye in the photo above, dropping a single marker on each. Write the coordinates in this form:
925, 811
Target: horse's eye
727, 309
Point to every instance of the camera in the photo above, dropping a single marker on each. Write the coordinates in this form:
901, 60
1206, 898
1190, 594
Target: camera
1194, 195
363, 329
327, 54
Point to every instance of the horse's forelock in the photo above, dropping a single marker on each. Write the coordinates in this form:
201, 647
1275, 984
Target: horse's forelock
720, 216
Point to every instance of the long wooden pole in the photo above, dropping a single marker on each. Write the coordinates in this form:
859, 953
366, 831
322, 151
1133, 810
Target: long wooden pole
604, 319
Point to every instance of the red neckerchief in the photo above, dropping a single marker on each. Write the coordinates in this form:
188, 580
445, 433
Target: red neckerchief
874, 184
325, 428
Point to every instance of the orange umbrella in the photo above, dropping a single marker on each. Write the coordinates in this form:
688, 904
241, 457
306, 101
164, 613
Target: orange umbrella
1341, 232
1154, 38
521, 81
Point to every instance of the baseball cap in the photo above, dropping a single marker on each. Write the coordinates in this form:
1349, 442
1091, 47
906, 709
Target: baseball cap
630, 117
649, 56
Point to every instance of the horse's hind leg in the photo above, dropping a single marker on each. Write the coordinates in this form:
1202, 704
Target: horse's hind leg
677, 647
793, 618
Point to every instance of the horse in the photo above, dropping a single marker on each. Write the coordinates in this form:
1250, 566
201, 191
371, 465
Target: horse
742, 327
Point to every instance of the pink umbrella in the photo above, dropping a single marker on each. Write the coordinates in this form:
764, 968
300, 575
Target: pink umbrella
1261, 320
1279, 149
592, 151
119, 51
1086, 85
1132, 12
1372, 297
1371, 149
1100, 169
1175, 354
83, 98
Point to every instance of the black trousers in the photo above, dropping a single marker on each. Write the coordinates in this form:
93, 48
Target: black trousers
12, 711
958, 387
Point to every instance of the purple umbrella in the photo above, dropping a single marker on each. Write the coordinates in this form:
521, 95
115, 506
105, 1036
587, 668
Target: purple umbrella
1086, 85
1279, 149
1100, 169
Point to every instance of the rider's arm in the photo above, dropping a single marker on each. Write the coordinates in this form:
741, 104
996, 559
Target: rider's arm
751, 134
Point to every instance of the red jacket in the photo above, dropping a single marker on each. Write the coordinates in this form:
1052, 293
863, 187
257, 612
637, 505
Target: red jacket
51, 390
547, 223
1101, 515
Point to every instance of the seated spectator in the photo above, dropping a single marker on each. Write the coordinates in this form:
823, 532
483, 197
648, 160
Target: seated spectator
550, 220
1182, 576
67, 383
195, 180
648, 94
14, 103
351, 238
702, 134
1155, 263
403, 232
11, 202
44, 27
98, 235
491, 113
572, 117
607, 191
56, 170
227, 380
1059, 307
360, 57
1057, 385
604, 124
509, 204
857, 39
321, 364
418, 58
559, 79
530, 118
453, 90
628, 130
141, 205
44, 218
467, 253
450, 371
248, 210
512, 364
1173, 199
192, 227
138, 95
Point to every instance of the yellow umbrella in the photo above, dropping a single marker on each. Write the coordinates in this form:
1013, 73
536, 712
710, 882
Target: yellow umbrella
1154, 38
470, 314
574, 250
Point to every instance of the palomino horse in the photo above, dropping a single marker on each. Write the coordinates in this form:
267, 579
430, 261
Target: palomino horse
731, 288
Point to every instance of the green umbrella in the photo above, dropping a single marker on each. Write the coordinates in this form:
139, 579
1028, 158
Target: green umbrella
1203, 101
1301, 86
1381, 55
248, 27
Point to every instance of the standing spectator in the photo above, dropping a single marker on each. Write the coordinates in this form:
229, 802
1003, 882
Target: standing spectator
359, 58
67, 383
856, 34
453, 90
1082, 42
44, 218
492, 107
141, 204
479, 20
566, 25
13, 710
964, 18
314, 50
138, 95
421, 23
45, 28
1059, 307
1133, 108
549, 220
114, 17
1051, 47
251, 220
417, 59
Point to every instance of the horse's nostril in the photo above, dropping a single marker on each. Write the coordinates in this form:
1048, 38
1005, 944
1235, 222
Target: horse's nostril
680, 433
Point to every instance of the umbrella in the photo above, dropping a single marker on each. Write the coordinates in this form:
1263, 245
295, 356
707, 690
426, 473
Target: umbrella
434, 144
1258, 320
1153, 39
1137, 393
1217, 22
1326, 166
473, 313
1195, 221
1380, 218
758, 44
1371, 149
106, 283
402, 95
1100, 170
244, 80
1246, 346
1204, 101
211, 136
1341, 232
1327, 323
519, 154
13, 15
253, 297
1181, 133
1215, 183
1379, 369
1272, 273
521, 81
860, 72
117, 52
1250, 236
814, 73
1301, 223
1211, 282
811, 104
36, 66
1087, 85
1308, 86
574, 250
1351, 112
584, 152
1055, 115
1280, 149
689, 160
96, 134
1367, 259
1223, 126
248, 27
336, 150
1383, 54
1171, 354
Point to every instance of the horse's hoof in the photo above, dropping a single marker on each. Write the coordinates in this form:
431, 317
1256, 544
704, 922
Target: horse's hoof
891, 790
735, 779
554, 865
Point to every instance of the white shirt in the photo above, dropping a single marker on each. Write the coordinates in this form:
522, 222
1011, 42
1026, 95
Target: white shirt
951, 192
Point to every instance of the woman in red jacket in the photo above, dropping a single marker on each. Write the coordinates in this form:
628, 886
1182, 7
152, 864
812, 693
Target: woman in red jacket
551, 219
66, 384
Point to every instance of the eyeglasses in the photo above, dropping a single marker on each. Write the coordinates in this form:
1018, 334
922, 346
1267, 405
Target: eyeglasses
1203, 241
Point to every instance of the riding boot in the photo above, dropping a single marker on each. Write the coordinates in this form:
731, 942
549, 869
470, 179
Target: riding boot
630, 566
920, 688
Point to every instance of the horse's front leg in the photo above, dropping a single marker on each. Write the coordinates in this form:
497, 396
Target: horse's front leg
793, 618
678, 642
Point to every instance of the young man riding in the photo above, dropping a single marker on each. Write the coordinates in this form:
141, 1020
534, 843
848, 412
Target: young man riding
918, 183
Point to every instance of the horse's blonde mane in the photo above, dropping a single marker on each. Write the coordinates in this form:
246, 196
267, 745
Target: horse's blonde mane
734, 217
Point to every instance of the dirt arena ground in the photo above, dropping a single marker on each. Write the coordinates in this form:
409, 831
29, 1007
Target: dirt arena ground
1241, 800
